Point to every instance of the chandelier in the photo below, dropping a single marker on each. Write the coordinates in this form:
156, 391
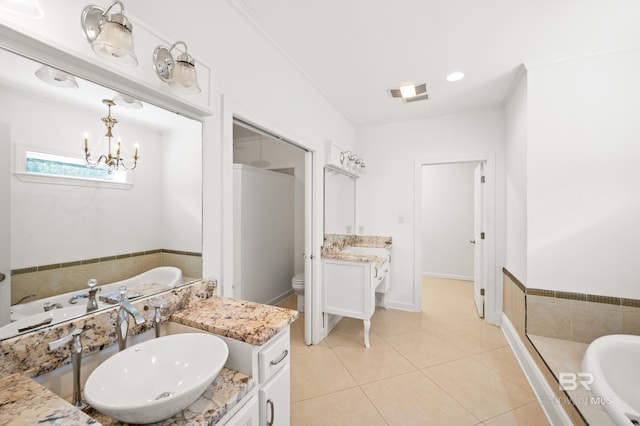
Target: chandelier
112, 161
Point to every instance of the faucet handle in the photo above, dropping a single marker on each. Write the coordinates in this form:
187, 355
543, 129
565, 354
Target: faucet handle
92, 283
56, 344
123, 294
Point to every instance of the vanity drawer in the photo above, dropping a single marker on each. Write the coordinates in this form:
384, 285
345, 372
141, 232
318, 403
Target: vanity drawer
274, 357
380, 280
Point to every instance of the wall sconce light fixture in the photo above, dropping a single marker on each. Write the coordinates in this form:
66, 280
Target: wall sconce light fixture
352, 162
179, 73
109, 160
110, 35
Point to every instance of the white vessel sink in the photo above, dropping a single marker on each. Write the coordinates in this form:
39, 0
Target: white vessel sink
613, 361
367, 251
156, 379
41, 319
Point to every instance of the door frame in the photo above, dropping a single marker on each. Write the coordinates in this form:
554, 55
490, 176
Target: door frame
230, 111
493, 289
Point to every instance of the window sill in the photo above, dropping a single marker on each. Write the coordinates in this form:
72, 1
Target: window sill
72, 181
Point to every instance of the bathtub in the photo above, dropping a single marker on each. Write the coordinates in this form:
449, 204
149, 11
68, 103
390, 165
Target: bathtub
165, 276
614, 361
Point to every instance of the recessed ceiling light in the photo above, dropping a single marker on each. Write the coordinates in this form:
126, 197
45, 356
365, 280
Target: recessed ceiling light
408, 91
455, 76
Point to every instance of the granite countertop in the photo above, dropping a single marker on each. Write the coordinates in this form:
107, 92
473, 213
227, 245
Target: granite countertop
336, 244
25, 402
241, 320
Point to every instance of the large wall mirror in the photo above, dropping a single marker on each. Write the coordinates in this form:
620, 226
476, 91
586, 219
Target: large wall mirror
107, 226
339, 202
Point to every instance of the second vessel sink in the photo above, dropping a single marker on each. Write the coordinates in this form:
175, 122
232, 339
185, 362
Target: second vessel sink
156, 379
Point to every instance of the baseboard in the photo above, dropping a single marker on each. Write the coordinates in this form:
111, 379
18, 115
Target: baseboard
401, 306
280, 297
447, 276
554, 412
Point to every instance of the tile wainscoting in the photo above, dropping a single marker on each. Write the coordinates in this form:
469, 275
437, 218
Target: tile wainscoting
48, 280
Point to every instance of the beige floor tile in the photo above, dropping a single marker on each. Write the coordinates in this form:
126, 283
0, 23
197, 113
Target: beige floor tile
317, 373
353, 327
378, 362
390, 322
347, 407
527, 415
413, 399
336, 339
503, 362
478, 388
423, 348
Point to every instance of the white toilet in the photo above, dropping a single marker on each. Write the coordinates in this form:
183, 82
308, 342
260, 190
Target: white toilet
297, 283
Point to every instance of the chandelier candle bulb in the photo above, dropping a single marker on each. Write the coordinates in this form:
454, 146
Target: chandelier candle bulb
136, 147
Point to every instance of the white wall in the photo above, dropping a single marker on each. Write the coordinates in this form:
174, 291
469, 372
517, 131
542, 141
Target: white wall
516, 179
386, 192
181, 194
583, 175
60, 223
264, 234
447, 220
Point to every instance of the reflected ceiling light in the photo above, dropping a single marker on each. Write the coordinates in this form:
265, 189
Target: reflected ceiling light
179, 73
110, 161
126, 101
455, 76
410, 92
56, 77
110, 35
28, 8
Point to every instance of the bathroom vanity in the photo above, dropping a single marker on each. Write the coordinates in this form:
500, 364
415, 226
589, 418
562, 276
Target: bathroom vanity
252, 388
355, 270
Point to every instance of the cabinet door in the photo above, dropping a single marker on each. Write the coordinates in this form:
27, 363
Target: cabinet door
275, 403
247, 415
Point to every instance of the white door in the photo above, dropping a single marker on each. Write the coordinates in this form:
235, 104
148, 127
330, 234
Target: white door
5, 226
308, 246
478, 239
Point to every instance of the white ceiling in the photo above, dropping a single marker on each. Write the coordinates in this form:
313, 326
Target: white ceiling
355, 50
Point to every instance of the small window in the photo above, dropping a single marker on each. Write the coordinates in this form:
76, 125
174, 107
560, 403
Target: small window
58, 165
33, 165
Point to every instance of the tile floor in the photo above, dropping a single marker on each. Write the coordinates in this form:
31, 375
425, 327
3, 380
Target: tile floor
439, 367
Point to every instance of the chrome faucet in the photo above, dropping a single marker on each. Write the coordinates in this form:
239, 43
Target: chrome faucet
76, 358
157, 319
92, 303
122, 320
48, 306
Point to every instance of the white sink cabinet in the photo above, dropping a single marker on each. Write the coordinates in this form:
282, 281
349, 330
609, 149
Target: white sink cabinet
350, 288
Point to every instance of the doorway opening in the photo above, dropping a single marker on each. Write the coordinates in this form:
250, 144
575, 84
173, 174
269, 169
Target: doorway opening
272, 226
453, 226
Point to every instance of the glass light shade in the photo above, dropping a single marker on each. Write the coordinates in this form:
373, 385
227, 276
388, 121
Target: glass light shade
184, 77
56, 77
115, 42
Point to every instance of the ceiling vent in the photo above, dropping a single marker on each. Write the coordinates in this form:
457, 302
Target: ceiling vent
417, 92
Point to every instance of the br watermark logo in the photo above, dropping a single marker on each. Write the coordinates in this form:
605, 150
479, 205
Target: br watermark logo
571, 381
577, 382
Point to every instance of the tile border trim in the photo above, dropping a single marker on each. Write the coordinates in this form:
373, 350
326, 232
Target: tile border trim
584, 297
99, 259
